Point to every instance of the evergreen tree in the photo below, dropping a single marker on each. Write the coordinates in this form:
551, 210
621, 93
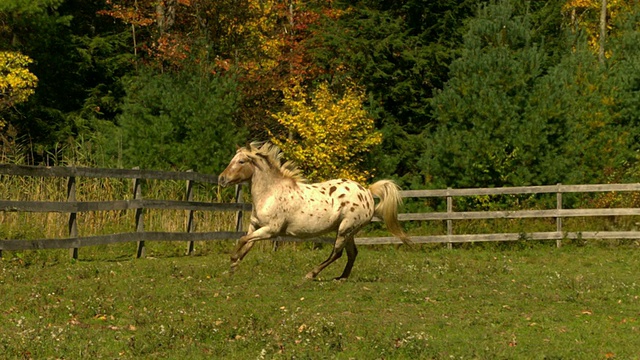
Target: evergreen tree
181, 121
509, 116
78, 58
399, 51
482, 137
624, 92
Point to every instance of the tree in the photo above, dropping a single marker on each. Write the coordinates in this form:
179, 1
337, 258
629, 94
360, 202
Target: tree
329, 134
482, 137
399, 51
17, 83
509, 116
78, 58
182, 120
624, 95
596, 18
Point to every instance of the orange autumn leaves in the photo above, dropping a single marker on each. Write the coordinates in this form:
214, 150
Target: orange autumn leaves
325, 129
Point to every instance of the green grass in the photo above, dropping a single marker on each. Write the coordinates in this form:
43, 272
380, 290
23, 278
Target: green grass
485, 302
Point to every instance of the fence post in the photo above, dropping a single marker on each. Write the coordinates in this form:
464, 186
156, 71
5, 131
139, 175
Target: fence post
190, 225
137, 195
559, 218
449, 221
73, 223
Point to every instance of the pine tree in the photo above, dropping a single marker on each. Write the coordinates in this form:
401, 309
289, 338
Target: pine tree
180, 121
482, 138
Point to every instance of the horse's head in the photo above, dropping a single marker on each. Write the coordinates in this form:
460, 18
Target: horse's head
261, 157
239, 170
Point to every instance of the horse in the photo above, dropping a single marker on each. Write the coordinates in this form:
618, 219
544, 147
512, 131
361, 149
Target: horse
285, 204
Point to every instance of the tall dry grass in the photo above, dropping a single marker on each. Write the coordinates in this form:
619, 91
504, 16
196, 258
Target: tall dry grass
35, 225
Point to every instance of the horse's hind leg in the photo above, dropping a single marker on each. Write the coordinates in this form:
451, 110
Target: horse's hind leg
335, 255
352, 253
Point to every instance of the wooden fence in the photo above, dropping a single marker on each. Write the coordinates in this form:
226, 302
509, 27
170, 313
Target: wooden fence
139, 204
559, 213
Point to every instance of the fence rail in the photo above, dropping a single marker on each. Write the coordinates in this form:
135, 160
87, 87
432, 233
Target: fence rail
558, 213
138, 204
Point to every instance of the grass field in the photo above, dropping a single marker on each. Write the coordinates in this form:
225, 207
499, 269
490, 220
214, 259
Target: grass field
484, 302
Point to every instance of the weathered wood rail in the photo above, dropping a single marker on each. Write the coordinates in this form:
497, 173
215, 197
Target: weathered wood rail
558, 213
73, 207
139, 204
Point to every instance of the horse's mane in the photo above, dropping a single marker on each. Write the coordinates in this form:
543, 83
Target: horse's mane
273, 157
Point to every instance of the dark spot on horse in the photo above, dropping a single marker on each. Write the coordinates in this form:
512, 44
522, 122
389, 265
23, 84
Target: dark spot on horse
332, 189
360, 187
343, 180
341, 196
346, 188
360, 197
352, 209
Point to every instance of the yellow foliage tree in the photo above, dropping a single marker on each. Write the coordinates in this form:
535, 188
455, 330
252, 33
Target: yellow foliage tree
328, 135
17, 83
586, 14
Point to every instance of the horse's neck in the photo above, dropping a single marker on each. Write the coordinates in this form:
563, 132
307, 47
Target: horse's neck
263, 184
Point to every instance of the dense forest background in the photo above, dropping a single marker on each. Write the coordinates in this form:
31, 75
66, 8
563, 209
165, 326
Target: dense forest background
432, 93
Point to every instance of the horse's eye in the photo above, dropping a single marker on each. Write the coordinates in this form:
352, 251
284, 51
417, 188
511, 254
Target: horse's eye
242, 162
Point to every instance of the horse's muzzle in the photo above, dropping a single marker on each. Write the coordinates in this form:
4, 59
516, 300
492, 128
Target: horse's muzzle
222, 181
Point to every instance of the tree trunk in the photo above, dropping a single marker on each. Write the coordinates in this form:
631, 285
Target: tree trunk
165, 14
603, 30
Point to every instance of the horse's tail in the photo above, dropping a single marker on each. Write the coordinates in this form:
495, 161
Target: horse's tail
387, 208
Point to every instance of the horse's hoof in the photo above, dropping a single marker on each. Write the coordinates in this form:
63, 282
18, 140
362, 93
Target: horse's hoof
310, 276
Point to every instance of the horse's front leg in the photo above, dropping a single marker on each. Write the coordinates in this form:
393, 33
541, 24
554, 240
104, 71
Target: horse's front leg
242, 243
246, 243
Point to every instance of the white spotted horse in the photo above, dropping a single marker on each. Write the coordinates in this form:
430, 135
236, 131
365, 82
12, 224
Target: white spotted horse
284, 204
